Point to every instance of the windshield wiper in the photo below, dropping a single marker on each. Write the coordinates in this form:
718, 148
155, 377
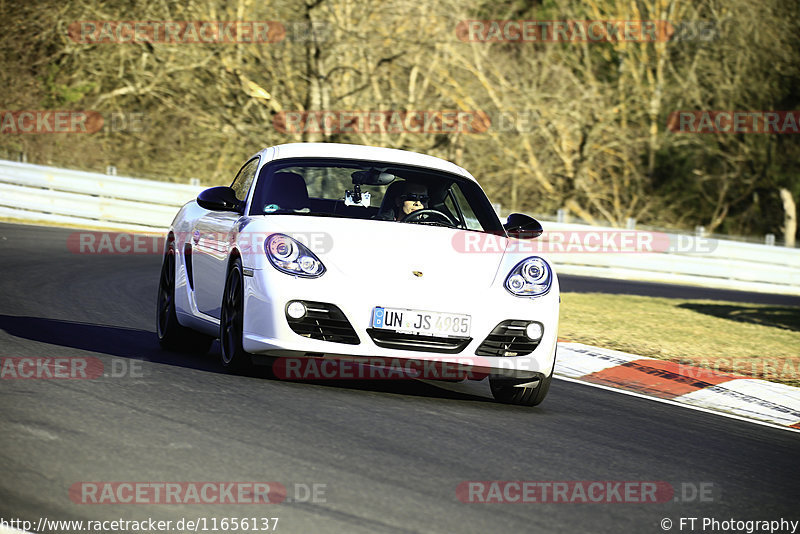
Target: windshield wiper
436, 223
313, 213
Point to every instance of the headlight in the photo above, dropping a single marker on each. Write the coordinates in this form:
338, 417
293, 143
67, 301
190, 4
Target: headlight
530, 278
292, 257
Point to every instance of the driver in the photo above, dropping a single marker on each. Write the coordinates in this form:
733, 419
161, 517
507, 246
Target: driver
412, 197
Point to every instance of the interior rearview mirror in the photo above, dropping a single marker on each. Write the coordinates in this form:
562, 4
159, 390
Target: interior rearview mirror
372, 177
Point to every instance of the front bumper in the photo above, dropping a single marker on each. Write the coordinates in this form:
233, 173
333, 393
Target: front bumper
267, 330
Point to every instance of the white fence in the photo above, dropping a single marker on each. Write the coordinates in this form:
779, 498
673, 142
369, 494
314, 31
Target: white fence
39, 193
36, 192
679, 259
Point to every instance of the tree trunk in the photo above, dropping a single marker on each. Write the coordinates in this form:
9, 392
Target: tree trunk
789, 217
315, 74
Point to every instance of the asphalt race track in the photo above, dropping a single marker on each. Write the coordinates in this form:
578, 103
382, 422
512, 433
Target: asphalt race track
384, 456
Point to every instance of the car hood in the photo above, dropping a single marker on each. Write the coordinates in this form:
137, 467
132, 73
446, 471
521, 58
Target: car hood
390, 252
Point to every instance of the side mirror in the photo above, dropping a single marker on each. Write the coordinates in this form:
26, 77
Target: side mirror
522, 226
220, 198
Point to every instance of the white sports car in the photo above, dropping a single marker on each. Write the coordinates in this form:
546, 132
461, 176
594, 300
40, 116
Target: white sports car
322, 252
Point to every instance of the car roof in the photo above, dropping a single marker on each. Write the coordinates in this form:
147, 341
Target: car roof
364, 152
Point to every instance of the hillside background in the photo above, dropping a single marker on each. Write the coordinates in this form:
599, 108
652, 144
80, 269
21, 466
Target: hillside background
584, 124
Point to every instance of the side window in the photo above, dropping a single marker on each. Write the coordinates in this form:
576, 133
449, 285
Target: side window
470, 218
450, 206
241, 184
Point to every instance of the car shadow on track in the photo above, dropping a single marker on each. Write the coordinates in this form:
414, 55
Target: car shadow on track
142, 345
117, 341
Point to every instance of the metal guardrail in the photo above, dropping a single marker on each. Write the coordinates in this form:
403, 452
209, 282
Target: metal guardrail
686, 259
62, 196
37, 192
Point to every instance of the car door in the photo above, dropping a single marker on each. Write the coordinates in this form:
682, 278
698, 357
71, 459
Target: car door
211, 243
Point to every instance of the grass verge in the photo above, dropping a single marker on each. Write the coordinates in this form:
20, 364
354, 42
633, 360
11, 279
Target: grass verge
753, 340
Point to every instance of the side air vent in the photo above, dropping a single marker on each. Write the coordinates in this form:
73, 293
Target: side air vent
187, 259
508, 339
322, 321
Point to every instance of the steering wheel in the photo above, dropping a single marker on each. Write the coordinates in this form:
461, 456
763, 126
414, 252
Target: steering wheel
428, 215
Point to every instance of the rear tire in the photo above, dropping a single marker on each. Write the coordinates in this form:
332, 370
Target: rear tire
504, 389
171, 334
231, 322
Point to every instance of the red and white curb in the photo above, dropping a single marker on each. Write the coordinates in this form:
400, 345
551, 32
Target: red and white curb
749, 398
729, 395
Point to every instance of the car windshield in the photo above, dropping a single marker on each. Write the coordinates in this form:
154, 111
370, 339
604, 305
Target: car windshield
372, 190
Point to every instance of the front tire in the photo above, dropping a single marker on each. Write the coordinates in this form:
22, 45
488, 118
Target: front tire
171, 334
231, 322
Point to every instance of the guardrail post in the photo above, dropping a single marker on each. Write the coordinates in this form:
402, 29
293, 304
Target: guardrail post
111, 170
630, 223
561, 215
769, 239
700, 231
194, 182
